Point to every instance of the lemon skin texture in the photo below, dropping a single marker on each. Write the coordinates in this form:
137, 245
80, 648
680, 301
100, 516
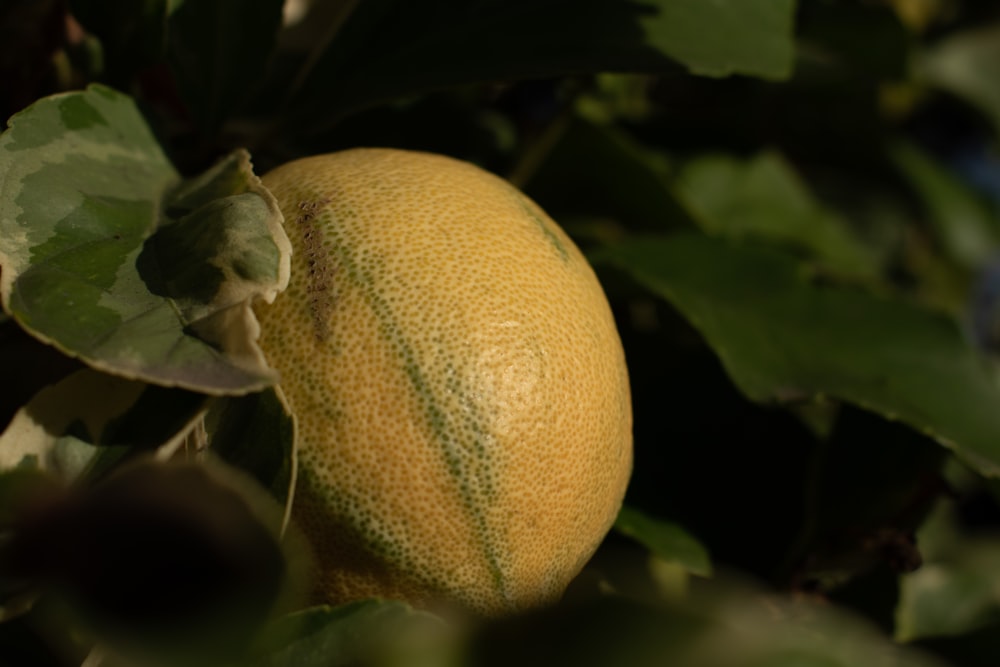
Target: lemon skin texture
460, 390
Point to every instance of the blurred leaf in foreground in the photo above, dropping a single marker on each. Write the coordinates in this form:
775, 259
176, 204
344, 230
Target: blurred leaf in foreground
104, 257
175, 561
721, 626
371, 632
777, 632
957, 591
782, 338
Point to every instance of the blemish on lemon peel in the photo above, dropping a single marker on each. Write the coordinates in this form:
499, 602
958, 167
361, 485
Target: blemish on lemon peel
454, 449
321, 269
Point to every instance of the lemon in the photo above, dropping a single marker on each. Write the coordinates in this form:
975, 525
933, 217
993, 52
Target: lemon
460, 390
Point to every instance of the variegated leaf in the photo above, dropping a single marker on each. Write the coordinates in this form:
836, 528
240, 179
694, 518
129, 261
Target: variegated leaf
107, 255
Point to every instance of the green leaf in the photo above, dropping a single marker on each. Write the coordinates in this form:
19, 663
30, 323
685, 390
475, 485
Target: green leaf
666, 540
957, 590
962, 221
722, 627
132, 32
768, 631
371, 632
631, 188
89, 421
221, 248
856, 41
218, 50
256, 434
781, 337
967, 64
764, 198
389, 49
109, 258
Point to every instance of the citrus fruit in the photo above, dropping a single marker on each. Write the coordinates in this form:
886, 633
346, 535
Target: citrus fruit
461, 396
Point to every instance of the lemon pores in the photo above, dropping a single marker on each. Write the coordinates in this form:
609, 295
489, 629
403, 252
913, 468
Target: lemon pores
460, 390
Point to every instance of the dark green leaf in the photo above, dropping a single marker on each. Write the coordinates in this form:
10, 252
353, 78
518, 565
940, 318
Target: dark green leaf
390, 49
631, 188
764, 198
256, 433
93, 264
730, 627
782, 337
19, 487
218, 50
860, 41
372, 632
962, 221
602, 632
665, 540
767, 631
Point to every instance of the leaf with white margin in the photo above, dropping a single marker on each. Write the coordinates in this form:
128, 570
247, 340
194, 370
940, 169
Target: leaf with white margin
107, 255
89, 421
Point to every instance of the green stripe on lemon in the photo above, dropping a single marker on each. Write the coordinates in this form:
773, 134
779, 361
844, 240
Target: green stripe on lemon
460, 391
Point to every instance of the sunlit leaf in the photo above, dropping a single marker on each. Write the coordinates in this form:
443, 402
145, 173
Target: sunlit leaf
782, 337
109, 257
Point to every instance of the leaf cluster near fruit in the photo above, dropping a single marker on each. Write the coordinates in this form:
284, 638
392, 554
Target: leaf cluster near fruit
793, 206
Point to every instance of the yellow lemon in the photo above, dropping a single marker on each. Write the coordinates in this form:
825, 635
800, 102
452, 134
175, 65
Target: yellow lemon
461, 395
